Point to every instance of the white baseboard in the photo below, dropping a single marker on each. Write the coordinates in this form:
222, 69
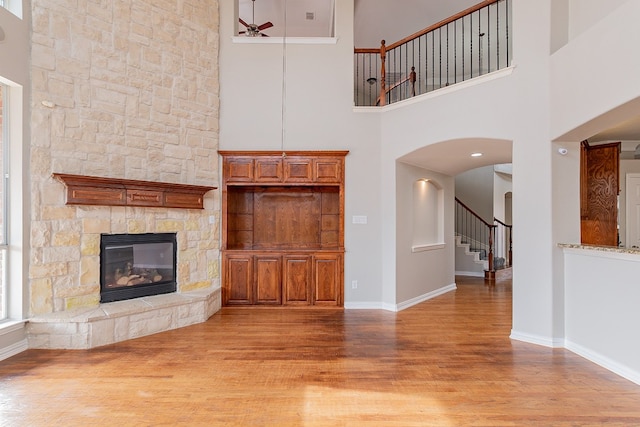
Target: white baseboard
372, 305
13, 349
537, 339
425, 297
605, 362
592, 356
470, 273
12, 338
364, 305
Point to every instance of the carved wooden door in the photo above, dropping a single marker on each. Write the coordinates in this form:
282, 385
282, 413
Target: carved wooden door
599, 188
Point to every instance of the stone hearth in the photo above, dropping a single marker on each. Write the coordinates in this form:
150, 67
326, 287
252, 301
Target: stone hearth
122, 320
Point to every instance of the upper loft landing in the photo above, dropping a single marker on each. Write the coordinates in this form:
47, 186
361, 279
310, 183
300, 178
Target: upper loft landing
469, 44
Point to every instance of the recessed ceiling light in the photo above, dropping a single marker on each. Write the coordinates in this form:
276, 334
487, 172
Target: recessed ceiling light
476, 155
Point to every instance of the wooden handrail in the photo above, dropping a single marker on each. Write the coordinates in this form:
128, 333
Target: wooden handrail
431, 27
491, 231
410, 78
510, 251
474, 214
501, 223
442, 23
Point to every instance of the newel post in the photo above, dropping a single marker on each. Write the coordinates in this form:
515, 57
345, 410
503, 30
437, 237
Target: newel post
492, 230
511, 246
412, 79
383, 73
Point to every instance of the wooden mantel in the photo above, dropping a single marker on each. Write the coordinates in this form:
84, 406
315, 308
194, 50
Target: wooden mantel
93, 190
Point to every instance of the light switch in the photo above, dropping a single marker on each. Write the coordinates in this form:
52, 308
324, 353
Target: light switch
359, 219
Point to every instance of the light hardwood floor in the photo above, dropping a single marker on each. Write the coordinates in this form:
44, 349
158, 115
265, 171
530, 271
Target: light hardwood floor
445, 362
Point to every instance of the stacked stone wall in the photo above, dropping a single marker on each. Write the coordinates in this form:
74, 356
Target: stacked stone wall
120, 89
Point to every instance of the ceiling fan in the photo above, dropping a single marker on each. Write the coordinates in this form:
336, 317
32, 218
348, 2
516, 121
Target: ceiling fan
254, 30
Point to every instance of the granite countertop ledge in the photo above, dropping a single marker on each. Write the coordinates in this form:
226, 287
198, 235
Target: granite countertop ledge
613, 249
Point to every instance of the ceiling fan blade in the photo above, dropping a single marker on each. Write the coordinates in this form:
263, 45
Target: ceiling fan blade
243, 23
265, 26
264, 35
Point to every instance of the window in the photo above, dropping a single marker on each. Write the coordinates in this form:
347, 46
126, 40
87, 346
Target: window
12, 238
13, 6
3, 200
303, 19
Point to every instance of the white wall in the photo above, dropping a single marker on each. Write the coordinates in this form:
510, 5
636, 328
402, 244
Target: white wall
419, 274
474, 188
596, 317
626, 166
602, 315
318, 116
585, 13
502, 184
378, 19
594, 83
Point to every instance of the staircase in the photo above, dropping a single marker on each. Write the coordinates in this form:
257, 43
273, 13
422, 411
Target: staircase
470, 262
482, 249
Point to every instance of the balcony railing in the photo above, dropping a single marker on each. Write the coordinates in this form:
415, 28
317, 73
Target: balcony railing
469, 44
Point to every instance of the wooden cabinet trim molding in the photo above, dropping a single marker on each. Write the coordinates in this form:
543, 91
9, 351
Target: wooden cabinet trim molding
93, 190
336, 153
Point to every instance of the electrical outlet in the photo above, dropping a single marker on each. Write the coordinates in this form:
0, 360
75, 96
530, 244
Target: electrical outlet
354, 284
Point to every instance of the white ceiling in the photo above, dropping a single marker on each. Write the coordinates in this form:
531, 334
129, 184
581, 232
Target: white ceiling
454, 157
375, 20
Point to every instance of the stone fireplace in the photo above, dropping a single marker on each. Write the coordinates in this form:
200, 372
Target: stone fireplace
114, 95
157, 273
137, 265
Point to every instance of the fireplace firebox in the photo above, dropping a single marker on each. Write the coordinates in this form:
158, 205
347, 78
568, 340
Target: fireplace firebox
137, 265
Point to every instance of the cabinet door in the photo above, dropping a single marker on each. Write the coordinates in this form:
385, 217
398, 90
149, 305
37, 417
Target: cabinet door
328, 170
297, 280
268, 279
268, 169
237, 287
327, 280
238, 169
298, 170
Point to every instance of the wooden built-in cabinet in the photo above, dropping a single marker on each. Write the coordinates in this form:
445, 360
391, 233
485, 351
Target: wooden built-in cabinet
283, 228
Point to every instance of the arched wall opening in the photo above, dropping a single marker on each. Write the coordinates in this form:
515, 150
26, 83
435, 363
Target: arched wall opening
425, 213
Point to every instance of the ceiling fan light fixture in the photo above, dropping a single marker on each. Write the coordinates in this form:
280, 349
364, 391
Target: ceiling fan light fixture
253, 30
